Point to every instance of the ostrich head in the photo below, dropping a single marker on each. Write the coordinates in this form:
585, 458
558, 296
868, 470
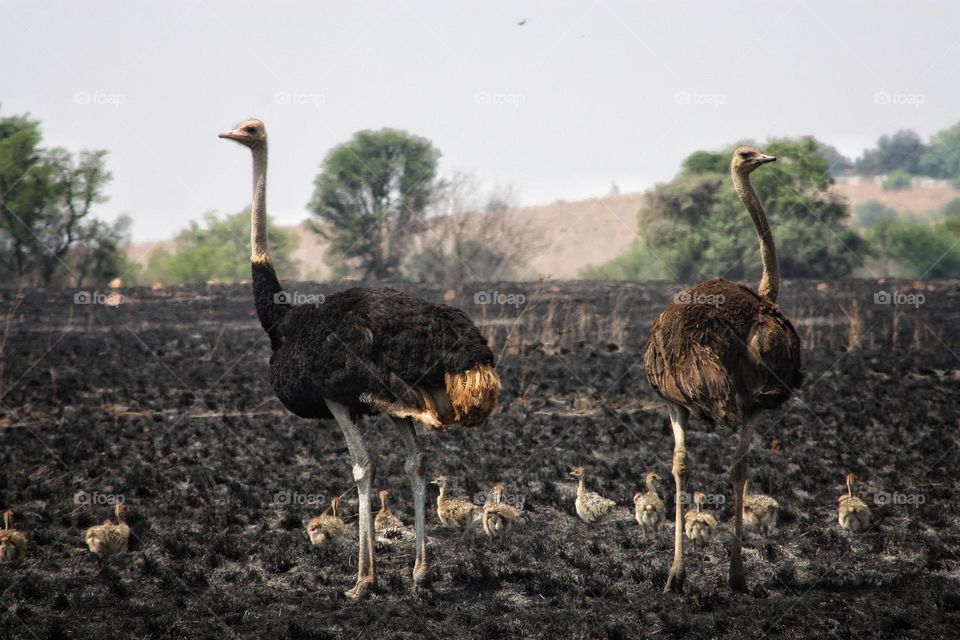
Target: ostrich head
746, 159
577, 472
121, 511
384, 495
652, 475
851, 479
7, 517
334, 505
250, 133
698, 499
440, 481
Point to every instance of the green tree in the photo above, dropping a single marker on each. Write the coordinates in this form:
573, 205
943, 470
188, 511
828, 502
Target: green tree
218, 249
896, 180
903, 150
46, 200
916, 250
695, 227
941, 159
871, 212
371, 195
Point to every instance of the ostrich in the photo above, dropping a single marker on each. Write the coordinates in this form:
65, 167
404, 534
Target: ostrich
853, 513
498, 516
591, 506
326, 527
387, 524
759, 511
453, 512
108, 539
368, 351
700, 525
648, 507
724, 353
13, 544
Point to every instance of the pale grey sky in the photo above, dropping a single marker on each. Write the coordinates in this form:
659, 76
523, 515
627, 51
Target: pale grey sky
582, 94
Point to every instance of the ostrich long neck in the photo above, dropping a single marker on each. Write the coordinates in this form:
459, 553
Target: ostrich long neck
770, 280
266, 286
259, 254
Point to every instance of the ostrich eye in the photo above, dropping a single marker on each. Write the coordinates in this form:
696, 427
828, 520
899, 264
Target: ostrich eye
251, 130
744, 154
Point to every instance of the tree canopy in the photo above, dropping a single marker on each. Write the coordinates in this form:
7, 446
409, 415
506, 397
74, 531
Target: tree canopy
370, 196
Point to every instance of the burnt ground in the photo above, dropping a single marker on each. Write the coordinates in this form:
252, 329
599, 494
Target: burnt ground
164, 400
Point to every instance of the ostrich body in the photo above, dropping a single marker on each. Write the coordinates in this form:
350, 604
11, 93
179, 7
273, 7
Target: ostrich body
591, 506
13, 544
700, 525
854, 514
453, 512
326, 527
759, 511
108, 539
498, 516
724, 353
366, 351
648, 507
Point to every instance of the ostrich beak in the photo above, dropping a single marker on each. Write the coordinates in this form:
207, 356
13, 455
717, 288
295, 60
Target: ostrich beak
233, 135
764, 159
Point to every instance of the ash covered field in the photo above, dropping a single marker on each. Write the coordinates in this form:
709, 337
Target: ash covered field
164, 400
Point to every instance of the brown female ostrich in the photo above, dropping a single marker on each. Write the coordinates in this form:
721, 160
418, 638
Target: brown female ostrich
366, 351
725, 353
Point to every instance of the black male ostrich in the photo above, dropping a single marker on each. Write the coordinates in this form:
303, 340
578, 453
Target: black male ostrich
365, 351
725, 353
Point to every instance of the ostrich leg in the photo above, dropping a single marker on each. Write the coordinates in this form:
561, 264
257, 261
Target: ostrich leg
416, 467
363, 473
738, 475
678, 420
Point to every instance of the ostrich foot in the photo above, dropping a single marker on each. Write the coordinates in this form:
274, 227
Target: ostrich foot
422, 578
363, 583
675, 580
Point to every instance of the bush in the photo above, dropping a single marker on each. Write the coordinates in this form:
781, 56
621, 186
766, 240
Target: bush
896, 181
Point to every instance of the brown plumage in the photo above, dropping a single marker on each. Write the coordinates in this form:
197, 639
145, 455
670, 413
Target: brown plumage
700, 525
456, 514
498, 517
387, 524
648, 507
854, 514
759, 511
724, 353
326, 527
108, 539
591, 506
13, 544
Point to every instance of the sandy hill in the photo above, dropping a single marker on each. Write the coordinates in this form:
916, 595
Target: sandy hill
573, 235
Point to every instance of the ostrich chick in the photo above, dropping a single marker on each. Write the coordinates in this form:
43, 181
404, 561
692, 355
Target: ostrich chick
453, 512
700, 526
387, 524
498, 516
326, 527
13, 544
648, 506
591, 506
759, 511
854, 513
108, 539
